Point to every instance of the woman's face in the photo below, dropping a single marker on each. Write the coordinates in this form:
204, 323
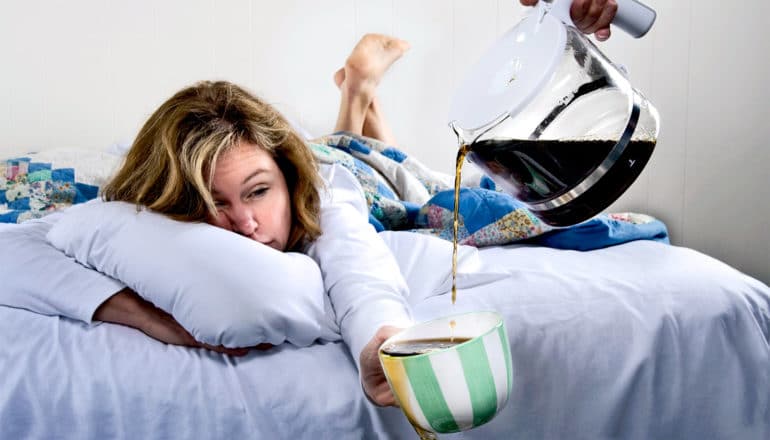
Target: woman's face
251, 196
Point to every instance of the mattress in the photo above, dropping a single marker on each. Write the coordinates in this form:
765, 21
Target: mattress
636, 341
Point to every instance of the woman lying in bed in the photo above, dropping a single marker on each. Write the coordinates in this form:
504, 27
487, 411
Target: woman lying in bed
213, 153
216, 154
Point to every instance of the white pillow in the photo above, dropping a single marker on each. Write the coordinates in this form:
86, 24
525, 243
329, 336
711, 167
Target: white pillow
426, 264
222, 287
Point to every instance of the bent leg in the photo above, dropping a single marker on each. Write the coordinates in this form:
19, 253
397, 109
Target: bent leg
375, 125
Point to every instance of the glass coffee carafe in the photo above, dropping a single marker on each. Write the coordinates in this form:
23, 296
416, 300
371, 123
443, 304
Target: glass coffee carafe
552, 120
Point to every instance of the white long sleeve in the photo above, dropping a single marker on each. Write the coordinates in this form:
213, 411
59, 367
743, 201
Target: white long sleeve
40, 278
360, 274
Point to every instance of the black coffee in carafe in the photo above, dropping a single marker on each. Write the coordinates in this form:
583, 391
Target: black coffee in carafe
563, 182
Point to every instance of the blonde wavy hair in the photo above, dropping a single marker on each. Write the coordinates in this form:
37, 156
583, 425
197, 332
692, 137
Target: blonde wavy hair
170, 165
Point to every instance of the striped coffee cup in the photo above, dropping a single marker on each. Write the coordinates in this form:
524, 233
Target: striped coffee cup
455, 388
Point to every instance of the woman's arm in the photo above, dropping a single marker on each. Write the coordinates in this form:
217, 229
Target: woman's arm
40, 278
129, 309
362, 278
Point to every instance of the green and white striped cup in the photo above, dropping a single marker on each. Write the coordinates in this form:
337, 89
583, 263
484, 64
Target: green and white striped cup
451, 389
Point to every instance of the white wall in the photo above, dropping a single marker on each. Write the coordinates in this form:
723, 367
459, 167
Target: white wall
86, 73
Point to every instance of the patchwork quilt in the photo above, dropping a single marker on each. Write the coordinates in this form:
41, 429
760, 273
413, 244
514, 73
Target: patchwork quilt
31, 189
404, 194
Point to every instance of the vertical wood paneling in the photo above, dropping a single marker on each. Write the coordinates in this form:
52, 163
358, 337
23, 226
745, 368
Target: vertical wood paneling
300, 44
77, 72
9, 58
375, 16
233, 41
22, 73
727, 131
88, 73
135, 56
419, 105
184, 43
472, 34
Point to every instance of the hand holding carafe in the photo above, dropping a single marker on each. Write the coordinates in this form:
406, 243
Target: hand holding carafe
590, 16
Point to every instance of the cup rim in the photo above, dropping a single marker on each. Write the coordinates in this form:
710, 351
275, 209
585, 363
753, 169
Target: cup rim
497, 315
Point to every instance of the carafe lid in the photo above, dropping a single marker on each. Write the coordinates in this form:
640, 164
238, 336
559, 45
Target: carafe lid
511, 73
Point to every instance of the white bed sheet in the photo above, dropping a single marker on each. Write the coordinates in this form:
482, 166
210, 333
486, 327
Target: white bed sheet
641, 340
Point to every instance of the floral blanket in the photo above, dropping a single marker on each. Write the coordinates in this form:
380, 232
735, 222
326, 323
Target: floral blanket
403, 194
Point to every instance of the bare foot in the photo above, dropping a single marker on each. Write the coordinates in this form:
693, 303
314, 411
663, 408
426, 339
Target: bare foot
358, 80
369, 60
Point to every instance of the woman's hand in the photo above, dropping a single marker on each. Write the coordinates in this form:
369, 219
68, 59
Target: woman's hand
590, 16
129, 309
372, 376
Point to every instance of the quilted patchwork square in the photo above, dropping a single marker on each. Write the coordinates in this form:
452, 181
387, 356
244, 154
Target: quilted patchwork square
33, 189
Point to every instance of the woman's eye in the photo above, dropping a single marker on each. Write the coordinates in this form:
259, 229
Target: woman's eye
258, 192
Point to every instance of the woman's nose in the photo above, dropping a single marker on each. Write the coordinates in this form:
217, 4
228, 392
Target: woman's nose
244, 222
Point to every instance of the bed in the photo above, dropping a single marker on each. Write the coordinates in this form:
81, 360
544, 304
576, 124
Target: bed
637, 340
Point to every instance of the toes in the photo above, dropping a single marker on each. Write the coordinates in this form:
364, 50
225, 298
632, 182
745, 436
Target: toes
371, 57
386, 42
394, 44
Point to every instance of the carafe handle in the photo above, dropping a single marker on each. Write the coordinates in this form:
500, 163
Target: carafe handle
633, 17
